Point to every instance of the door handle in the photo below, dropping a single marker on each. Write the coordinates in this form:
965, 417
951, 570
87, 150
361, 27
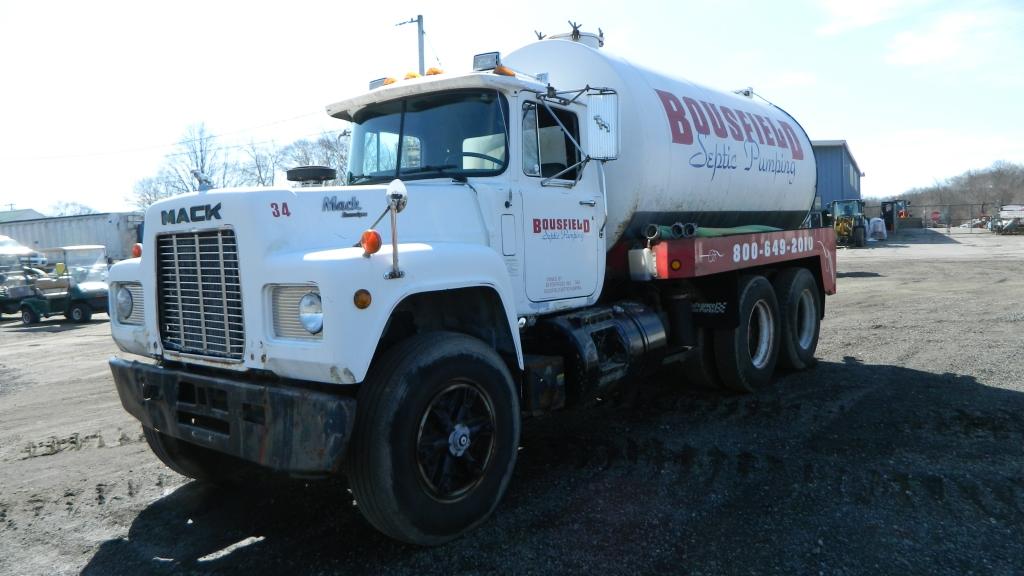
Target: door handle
588, 202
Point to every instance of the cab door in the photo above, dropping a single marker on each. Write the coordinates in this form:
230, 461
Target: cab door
563, 209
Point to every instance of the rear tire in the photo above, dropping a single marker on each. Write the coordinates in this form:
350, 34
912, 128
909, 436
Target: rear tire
197, 462
746, 355
435, 439
800, 316
80, 313
699, 366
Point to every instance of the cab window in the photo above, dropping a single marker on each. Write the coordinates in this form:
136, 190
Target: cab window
547, 149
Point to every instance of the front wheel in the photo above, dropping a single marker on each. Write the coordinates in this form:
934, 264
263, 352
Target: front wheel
29, 316
435, 439
859, 237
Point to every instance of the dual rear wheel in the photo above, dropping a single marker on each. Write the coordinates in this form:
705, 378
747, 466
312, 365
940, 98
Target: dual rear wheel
779, 322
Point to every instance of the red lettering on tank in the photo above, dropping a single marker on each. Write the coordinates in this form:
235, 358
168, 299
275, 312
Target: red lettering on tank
748, 128
794, 142
716, 119
677, 122
757, 129
780, 138
734, 125
766, 128
536, 225
700, 122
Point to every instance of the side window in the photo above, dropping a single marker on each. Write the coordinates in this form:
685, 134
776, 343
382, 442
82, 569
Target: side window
547, 149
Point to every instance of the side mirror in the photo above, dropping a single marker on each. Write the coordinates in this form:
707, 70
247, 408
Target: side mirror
396, 196
603, 126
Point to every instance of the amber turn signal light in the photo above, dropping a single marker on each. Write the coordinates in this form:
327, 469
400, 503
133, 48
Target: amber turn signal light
370, 241
362, 299
137, 250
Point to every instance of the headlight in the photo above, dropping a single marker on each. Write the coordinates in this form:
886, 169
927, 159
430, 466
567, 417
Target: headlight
125, 304
311, 313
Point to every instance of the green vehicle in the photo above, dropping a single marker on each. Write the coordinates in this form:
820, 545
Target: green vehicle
16, 283
77, 288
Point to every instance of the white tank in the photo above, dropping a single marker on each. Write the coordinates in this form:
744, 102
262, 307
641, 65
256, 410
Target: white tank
687, 153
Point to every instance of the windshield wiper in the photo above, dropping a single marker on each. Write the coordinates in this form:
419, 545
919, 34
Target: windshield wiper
439, 169
364, 178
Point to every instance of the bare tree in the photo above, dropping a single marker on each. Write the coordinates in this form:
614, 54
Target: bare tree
329, 149
259, 164
251, 165
71, 209
150, 190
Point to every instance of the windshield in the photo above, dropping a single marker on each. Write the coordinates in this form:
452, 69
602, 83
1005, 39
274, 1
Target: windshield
85, 265
449, 134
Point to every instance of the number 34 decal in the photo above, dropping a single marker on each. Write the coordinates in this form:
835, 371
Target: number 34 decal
279, 210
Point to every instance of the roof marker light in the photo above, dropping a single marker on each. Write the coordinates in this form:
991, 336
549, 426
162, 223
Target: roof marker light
486, 61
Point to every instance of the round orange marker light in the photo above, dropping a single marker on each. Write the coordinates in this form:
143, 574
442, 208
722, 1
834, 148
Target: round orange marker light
362, 299
137, 250
388, 80
411, 75
434, 70
370, 241
676, 264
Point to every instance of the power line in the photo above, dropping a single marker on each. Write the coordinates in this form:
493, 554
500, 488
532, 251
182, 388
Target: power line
178, 143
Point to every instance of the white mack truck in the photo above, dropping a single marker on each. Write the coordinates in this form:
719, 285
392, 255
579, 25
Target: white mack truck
554, 225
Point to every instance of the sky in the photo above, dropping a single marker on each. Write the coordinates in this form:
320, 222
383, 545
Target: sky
93, 95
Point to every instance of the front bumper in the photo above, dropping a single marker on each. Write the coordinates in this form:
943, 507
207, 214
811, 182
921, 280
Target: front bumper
289, 429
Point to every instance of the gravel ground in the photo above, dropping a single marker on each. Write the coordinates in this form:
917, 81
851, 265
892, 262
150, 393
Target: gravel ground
901, 452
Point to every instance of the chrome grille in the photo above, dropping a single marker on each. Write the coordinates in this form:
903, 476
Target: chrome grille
200, 294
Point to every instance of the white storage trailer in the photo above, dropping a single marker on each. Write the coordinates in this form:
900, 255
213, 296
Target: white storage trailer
484, 264
116, 231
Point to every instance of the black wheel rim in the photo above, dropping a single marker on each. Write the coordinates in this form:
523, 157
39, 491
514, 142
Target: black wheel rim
455, 443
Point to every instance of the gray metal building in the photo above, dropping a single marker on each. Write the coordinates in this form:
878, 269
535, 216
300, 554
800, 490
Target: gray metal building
838, 173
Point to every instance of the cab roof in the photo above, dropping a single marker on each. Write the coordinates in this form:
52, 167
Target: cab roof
345, 109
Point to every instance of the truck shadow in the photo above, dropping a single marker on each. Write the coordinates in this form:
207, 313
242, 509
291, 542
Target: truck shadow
49, 325
823, 459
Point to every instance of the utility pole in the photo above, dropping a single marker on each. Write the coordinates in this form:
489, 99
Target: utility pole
419, 36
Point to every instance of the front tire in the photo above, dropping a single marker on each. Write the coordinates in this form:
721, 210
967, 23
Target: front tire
859, 237
435, 439
29, 316
746, 355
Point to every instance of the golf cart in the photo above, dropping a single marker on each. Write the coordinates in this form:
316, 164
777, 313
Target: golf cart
16, 283
848, 221
77, 288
